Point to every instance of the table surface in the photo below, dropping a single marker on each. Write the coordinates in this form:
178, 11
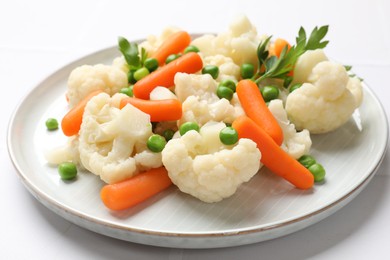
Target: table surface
39, 37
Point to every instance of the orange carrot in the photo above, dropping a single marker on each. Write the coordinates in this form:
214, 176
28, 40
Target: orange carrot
277, 46
127, 193
164, 76
174, 44
272, 155
255, 107
71, 122
159, 110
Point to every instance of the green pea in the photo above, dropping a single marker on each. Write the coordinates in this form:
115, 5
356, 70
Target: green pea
212, 70
168, 134
127, 91
225, 92
318, 172
151, 64
307, 160
156, 143
229, 84
67, 170
51, 124
228, 135
141, 73
191, 48
269, 93
171, 57
130, 77
187, 126
247, 70
294, 87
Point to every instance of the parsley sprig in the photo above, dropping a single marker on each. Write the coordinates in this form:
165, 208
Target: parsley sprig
279, 68
130, 52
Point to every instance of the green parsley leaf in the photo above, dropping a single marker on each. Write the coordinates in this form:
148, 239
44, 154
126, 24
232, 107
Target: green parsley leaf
347, 67
280, 67
262, 52
315, 38
130, 52
144, 55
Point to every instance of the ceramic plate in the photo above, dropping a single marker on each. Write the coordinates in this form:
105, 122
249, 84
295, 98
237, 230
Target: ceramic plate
264, 208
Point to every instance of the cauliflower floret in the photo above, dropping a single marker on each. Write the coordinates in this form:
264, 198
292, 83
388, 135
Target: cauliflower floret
294, 143
112, 141
227, 68
120, 63
324, 103
202, 86
239, 42
161, 93
86, 79
200, 102
355, 86
304, 67
202, 111
238, 110
67, 152
306, 63
200, 165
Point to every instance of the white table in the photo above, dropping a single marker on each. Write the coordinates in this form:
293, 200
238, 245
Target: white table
38, 37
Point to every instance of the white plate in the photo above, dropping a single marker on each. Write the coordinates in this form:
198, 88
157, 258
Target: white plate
264, 208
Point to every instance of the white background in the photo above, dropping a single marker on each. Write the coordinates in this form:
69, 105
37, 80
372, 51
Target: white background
39, 37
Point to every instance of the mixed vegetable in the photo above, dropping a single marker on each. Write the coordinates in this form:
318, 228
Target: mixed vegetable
203, 114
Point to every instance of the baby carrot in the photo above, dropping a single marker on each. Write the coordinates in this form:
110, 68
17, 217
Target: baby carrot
71, 122
164, 76
127, 193
255, 108
272, 155
174, 44
277, 46
159, 110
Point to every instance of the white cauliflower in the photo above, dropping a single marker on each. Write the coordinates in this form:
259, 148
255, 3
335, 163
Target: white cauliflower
120, 63
325, 102
240, 42
86, 79
294, 143
112, 141
200, 102
227, 68
200, 165
306, 63
161, 93
355, 86
304, 67
67, 152
202, 86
